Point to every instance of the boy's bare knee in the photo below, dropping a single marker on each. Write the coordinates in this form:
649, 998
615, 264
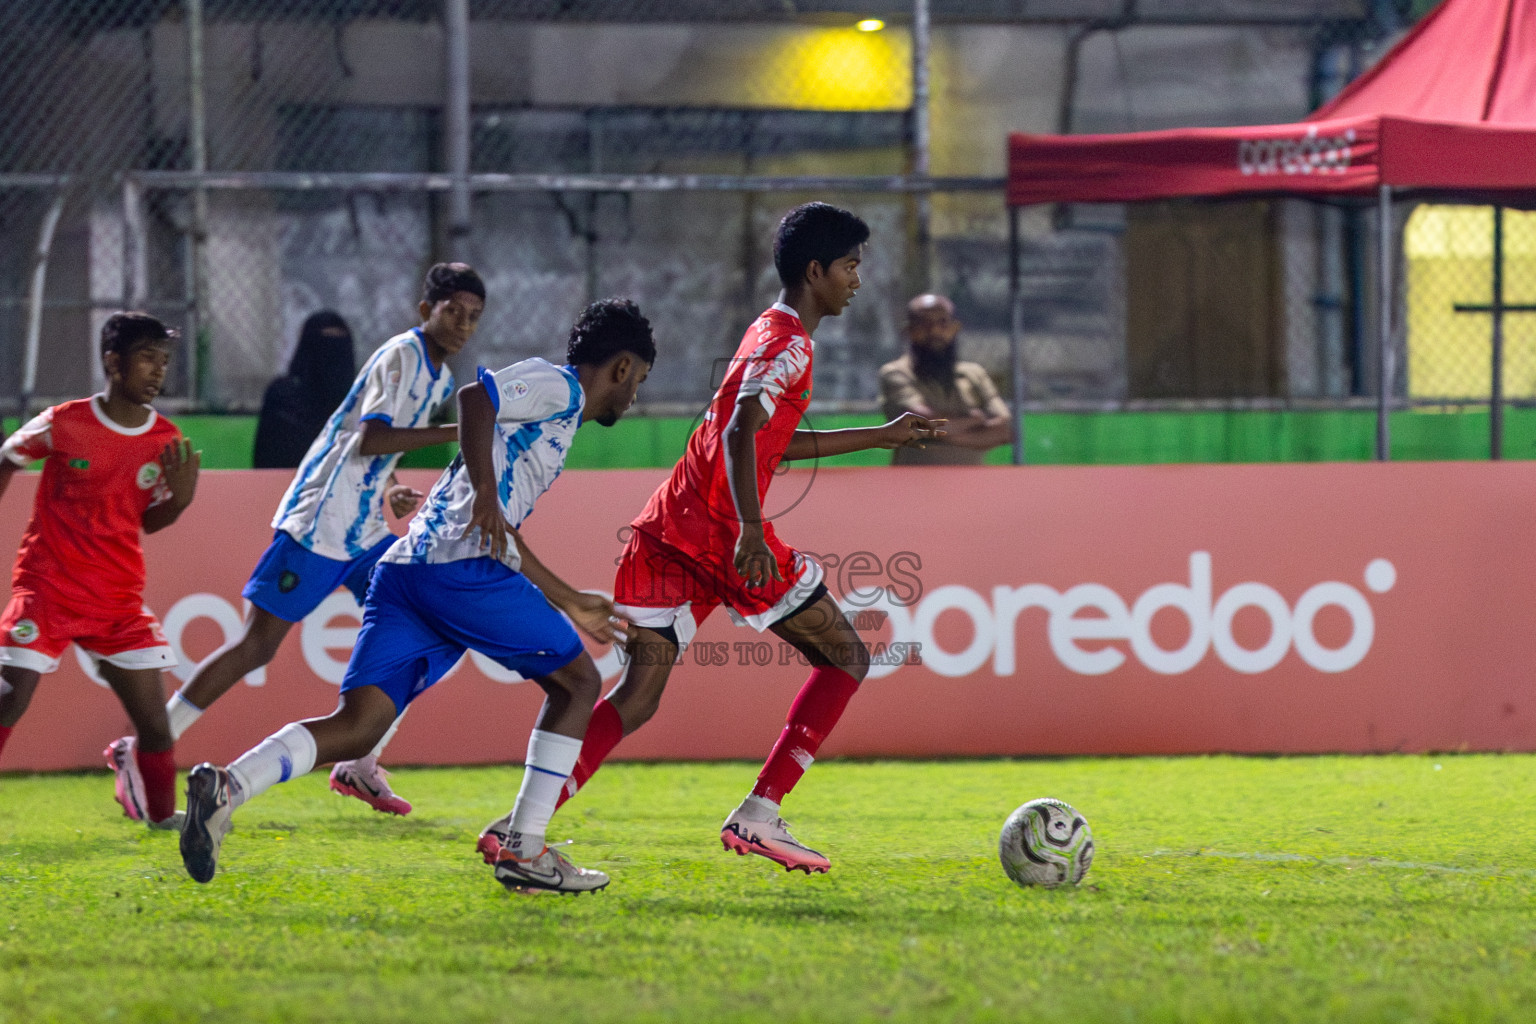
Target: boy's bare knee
648, 708
16, 689
586, 687
153, 738
638, 696
634, 708
260, 646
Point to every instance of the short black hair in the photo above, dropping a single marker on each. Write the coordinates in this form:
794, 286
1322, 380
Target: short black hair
446, 278
124, 332
606, 328
815, 232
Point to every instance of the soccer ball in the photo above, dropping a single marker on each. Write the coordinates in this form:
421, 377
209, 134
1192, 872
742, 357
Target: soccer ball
1046, 842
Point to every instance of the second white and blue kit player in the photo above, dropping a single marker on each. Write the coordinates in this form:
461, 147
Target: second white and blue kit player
462, 579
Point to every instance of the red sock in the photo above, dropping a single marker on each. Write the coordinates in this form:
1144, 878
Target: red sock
815, 711
159, 771
603, 734
5, 734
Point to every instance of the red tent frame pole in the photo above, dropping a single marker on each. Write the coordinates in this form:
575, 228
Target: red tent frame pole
1384, 322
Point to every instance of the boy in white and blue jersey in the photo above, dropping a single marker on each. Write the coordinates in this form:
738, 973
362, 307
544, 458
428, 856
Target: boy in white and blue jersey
464, 579
329, 530
334, 507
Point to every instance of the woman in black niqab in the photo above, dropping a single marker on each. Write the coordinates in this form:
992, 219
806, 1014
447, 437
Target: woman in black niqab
297, 404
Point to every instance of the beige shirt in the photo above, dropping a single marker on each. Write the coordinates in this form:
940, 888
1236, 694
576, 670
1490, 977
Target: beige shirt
902, 391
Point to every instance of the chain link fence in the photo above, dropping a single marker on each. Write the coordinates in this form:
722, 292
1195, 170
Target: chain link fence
236, 165
1454, 283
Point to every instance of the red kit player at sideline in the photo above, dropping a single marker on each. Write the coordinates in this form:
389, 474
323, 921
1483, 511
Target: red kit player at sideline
113, 465
702, 540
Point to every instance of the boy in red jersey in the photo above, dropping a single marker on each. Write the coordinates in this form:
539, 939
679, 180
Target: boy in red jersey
113, 465
702, 540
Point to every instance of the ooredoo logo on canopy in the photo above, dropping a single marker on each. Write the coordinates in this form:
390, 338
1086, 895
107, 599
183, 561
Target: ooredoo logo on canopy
1115, 628
1309, 154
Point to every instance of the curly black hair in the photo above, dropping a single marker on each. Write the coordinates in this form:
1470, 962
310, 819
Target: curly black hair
814, 232
606, 328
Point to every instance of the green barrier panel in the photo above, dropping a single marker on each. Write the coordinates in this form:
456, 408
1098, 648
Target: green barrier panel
435, 457
1344, 435
225, 441
1063, 439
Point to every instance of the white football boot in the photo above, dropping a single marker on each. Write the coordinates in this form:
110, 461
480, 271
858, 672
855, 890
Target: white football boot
129, 783
771, 839
364, 779
549, 871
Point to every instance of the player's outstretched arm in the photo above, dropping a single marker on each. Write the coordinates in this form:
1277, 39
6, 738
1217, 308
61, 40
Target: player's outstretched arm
380, 438
592, 613
898, 390
7, 470
179, 466
908, 430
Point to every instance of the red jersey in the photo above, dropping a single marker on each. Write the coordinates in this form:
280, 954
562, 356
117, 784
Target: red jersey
694, 511
82, 542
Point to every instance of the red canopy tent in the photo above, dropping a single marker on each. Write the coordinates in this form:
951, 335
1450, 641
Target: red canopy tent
1449, 111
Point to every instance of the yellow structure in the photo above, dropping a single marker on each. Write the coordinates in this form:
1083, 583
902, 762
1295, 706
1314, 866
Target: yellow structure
1449, 251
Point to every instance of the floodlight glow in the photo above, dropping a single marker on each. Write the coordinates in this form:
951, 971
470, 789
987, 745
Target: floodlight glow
870, 25
834, 68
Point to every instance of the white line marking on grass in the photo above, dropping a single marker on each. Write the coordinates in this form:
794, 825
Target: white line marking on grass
1367, 862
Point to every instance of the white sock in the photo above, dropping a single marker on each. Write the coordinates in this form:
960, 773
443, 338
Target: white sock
286, 754
551, 759
756, 808
182, 713
389, 734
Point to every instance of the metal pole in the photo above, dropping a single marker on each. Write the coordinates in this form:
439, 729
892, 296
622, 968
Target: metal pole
35, 304
1496, 390
377, 181
1015, 337
456, 122
197, 278
135, 246
921, 143
1384, 324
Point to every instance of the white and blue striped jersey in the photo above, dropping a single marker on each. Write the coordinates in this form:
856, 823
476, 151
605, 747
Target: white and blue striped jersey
538, 408
335, 504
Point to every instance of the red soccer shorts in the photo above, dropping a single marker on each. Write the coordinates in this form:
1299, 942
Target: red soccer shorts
658, 585
37, 628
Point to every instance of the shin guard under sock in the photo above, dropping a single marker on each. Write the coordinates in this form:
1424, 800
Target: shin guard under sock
815, 711
603, 734
158, 769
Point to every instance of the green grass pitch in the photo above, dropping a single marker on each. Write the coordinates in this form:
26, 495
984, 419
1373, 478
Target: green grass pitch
1225, 889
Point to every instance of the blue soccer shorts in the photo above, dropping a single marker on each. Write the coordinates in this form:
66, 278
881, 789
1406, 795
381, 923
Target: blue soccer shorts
419, 620
290, 581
